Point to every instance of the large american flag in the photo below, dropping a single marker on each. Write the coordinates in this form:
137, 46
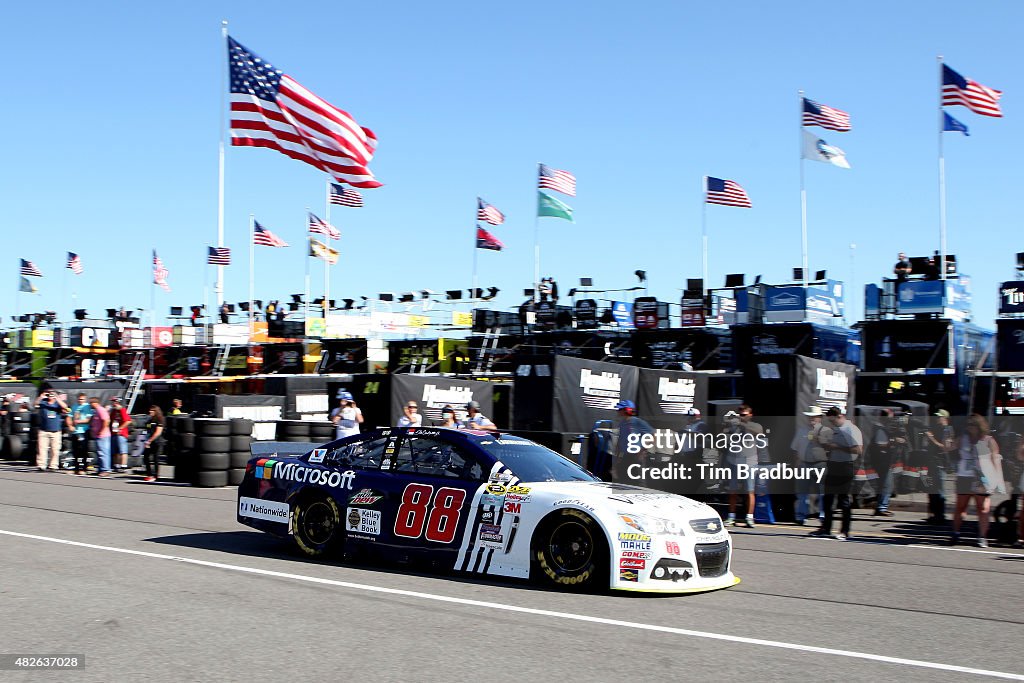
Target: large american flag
726, 192
264, 237
343, 196
827, 117
486, 212
319, 226
29, 268
270, 109
74, 263
160, 273
559, 181
959, 90
218, 256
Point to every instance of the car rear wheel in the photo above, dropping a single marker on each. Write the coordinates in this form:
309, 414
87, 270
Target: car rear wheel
316, 525
570, 551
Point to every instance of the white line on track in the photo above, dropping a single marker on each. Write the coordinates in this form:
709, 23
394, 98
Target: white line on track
537, 612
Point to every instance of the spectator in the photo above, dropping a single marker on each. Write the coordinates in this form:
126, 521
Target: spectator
847, 445
176, 405
346, 417
976, 446
225, 310
902, 268
809, 446
693, 448
883, 448
81, 414
629, 424
411, 416
154, 443
475, 419
99, 431
50, 426
746, 454
931, 270
120, 423
448, 418
940, 442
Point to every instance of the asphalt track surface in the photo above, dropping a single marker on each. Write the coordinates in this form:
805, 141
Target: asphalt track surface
157, 582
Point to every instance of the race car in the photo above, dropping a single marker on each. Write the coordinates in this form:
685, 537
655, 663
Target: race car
485, 503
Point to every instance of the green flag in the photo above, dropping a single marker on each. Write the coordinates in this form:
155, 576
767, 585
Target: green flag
27, 286
549, 206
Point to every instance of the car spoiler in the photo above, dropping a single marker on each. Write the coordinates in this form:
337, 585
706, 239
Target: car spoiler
282, 449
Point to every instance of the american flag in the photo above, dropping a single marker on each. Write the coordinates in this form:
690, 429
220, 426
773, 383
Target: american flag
342, 196
959, 90
487, 213
559, 181
261, 235
218, 256
74, 263
820, 115
270, 109
726, 192
485, 240
29, 268
160, 273
318, 226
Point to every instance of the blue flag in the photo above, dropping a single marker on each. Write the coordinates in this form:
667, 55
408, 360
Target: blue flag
951, 124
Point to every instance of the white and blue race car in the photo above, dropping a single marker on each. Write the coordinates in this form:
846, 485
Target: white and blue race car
485, 503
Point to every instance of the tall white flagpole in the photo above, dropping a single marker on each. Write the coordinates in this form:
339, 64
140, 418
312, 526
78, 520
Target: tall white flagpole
942, 185
327, 263
476, 228
704, 234
536, 241
252, 274
219, 287
804, 265
306, 254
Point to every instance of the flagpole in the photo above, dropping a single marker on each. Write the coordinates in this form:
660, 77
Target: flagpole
306, 305
327, 262
219, 287
252, 278
942, 185
536, 244
152, 295
704, 235
476, 229
803, 195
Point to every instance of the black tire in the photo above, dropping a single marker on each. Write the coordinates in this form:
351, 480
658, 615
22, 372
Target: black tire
316, 525
293, 428
212, 427
13, 447
239, 442
211, 479
211, 462
186, 441
235, 476
570, 551
238, 459
215, 444
321, 430
241, 426
295, 439
186, 424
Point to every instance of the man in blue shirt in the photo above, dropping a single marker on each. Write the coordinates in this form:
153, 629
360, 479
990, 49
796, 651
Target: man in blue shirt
81, 414
48, 436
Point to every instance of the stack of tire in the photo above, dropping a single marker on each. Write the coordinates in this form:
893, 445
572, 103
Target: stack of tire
181, 445
16, 442
221, 451
305, 430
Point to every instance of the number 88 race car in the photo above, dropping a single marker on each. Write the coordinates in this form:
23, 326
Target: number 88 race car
484, 503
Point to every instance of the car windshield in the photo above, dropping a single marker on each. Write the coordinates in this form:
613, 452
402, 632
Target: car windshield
533, 462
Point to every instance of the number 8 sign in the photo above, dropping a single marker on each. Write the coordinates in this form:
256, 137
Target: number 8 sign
440, 521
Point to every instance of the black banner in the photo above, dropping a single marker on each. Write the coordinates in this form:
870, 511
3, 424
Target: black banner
427, 355
586, 391
434, 393
645, 313
701, 349
283, 358
586, 314
906, 344
664, 397
344, 356
1010, 344
1011, 297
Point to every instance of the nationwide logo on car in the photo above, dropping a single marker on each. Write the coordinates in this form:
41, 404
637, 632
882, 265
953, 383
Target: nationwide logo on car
364, 497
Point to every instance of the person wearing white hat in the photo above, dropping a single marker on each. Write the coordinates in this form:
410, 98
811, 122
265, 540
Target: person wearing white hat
809, 447
347, 416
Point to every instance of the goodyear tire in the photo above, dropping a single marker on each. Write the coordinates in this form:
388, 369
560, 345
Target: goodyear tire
214, 461
211, 480
239, 442
186, 441
215, 444
212, 427
239, 459
316, 525
186, 424
570, 551
241, 426
235, 476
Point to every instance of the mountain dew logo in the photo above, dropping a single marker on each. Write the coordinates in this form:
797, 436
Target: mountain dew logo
265, 468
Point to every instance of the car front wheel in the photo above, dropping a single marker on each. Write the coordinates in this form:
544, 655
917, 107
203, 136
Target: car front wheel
570, 551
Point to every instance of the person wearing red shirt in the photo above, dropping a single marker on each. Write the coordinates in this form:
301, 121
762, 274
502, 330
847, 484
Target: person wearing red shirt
120, 421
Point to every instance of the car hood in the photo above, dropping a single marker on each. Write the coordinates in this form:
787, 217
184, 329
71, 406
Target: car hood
626, 498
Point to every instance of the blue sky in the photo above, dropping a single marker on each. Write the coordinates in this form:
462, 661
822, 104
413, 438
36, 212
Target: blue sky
112, 133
